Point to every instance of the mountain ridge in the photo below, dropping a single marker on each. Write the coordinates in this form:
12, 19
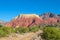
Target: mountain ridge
27, 20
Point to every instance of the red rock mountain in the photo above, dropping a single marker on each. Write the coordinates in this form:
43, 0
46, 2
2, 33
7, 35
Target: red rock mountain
50, 18
27, 20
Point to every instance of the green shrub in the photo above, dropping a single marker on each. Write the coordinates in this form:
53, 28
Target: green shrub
21, 30
51, 33
7, 29
34, 28
51, 25
1, 26
3, 33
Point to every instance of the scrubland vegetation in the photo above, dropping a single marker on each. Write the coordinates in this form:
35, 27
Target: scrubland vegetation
5, 31
49, 32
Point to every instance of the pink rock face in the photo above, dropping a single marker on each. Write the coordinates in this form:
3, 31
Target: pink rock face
31, 20
50, 20
25, 21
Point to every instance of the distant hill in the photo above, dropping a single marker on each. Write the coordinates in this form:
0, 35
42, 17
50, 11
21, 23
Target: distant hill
2, 22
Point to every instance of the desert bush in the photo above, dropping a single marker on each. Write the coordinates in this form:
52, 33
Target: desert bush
7, 29
1, 26
51, 33
51, 25
4, 31
34, 28
21, 30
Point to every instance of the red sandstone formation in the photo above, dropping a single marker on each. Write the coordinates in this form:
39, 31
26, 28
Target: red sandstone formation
50, 21
27, 20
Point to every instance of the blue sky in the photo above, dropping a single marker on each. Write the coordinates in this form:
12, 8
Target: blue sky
11, 8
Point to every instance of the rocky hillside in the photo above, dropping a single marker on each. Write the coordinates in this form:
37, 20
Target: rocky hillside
50, 18
27, 20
